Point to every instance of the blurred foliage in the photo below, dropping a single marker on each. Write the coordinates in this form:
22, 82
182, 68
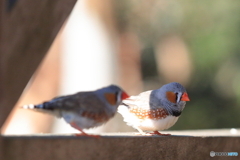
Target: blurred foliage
211, 31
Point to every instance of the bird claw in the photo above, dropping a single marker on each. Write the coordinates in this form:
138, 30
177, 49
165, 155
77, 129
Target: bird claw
159, 134
153, 134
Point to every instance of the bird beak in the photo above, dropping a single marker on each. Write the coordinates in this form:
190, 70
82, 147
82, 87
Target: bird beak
185, 97
124, 95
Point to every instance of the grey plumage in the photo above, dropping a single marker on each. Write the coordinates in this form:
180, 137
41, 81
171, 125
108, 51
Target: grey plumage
84, 109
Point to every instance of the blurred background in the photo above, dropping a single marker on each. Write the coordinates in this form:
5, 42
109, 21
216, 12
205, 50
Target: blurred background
141, 45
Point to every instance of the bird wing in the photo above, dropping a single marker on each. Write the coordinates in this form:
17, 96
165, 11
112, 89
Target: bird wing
79, 101
141, 100
83, 103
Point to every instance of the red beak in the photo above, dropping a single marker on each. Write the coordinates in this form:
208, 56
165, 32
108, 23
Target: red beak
185, 97
124, 95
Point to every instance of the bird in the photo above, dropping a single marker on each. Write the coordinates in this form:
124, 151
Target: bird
154, 110
84, 110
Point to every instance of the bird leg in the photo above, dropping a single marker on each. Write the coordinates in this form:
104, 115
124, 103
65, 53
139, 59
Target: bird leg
140, 131
150, 134
73, 124
160, 134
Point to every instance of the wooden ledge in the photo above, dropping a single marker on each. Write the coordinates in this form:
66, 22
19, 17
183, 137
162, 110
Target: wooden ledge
117, 146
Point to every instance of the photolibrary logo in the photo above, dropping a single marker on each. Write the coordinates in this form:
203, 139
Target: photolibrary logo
212, 153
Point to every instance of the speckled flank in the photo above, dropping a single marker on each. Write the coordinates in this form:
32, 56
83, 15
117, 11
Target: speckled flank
156, 114
99, 117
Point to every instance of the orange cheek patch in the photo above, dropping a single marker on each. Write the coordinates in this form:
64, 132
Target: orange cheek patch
171, 96
111, 98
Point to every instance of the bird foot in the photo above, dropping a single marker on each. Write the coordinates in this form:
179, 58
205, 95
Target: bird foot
159, 134
152, 134
73, 124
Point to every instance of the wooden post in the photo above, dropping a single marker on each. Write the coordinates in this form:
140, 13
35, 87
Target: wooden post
27, 30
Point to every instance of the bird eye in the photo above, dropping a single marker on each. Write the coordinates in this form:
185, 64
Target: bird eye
118, 96
176, 96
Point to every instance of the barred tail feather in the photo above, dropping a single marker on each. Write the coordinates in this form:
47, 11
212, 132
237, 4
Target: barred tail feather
42, 108
32, 106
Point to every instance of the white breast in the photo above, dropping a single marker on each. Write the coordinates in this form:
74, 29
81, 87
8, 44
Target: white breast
146, 124
158, 125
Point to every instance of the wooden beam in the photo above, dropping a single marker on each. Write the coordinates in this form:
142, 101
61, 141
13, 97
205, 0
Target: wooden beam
114, 147
27, 30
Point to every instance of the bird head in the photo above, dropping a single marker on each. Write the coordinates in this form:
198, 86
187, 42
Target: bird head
173, 96
114, 95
